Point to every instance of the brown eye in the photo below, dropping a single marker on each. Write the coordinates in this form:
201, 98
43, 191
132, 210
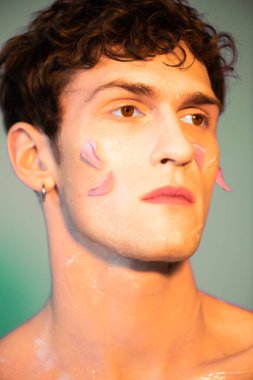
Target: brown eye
127, 111
197, 119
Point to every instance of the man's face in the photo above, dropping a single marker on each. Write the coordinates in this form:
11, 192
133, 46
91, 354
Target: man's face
148, 145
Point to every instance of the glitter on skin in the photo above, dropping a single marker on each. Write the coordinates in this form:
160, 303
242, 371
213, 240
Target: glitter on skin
225, 375
44, 355
220, 180
89, 154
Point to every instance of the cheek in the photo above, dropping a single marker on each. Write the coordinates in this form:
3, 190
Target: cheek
199, 155
90, 156
83, 175
103, 186
210, 168
206, 156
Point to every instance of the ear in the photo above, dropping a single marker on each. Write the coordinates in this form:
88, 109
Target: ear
31, 156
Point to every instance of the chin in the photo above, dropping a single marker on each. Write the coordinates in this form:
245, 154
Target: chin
157, 250
166, 243
169, 254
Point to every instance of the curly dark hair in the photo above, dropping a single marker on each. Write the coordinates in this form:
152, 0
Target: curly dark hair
36, 65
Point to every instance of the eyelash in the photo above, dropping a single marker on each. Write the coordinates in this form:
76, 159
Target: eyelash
205, 122
129, 107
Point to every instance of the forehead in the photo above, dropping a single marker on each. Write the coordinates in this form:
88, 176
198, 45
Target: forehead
160, 75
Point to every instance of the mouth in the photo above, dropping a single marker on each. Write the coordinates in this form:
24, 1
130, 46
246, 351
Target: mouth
169, 195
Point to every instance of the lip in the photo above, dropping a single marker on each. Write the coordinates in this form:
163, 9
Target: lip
169, 195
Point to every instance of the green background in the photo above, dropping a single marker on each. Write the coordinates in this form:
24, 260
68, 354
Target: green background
224, 262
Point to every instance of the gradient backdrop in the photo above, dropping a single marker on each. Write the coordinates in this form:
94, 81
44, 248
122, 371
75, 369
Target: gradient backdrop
224, 262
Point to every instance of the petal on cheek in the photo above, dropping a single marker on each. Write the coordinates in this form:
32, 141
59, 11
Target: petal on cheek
104, 186
220, 180
199, 155
89, 154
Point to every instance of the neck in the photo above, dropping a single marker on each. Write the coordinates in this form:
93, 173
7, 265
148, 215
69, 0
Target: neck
111, 312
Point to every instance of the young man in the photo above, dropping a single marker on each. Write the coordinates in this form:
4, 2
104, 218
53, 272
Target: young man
111, 109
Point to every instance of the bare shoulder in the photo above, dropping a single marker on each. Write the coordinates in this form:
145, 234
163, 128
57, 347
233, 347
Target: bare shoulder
8, 351
15, 351
228, 319
21, 349
232, 328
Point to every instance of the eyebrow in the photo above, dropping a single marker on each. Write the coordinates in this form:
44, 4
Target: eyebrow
199, 99
189, 100
135, 88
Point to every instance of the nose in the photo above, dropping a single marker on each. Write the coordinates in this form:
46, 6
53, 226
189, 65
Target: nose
172, 146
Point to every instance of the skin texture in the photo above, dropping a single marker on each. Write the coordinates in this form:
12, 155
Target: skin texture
124, 301
125, 142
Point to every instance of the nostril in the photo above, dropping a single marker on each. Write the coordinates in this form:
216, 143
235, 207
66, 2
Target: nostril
164, 161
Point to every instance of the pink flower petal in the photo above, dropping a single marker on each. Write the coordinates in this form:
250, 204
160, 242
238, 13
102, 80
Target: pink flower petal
199, 155
220, 180
104, 185
88, 152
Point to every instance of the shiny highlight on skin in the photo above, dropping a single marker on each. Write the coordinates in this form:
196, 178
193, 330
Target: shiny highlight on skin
220, 180
211, 162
